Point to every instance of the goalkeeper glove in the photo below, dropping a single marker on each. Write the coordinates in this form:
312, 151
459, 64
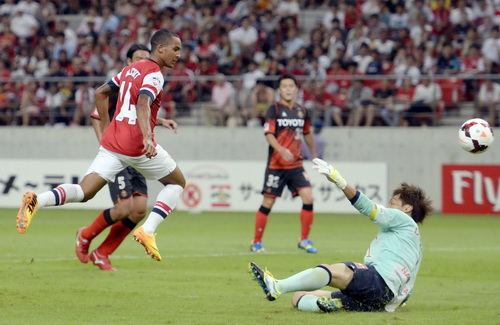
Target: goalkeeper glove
330, 172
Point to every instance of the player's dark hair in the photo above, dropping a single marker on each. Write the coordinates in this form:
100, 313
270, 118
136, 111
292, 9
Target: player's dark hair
288, 76
415, 196
162, 36
136, 47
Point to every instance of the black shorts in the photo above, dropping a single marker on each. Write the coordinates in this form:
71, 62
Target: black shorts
367, 291
276, 179
128, 182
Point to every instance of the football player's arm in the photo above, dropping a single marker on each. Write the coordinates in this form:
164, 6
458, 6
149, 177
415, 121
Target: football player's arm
96, 124
360, 201
143, 117
102, 104
284, 152
169, 124
308, 138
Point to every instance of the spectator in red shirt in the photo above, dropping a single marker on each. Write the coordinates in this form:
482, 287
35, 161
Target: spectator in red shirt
180, 91
472, 64
320, 104
295, 67
205, 69
4, 72
404, 94
205, 49
190, 59
441, 23
340, 106
351, 15
333, 85
5, 110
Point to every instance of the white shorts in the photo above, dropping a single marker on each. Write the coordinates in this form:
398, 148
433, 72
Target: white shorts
108, 163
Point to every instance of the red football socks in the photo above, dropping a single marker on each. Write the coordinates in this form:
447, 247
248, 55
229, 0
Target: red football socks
306, 218
115, 237
100, 223
260, 223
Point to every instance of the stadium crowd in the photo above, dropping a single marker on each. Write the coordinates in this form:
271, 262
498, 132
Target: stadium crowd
367, 62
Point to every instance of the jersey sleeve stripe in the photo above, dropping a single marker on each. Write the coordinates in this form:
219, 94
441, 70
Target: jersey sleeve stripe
148, 92
114, 85
151, 88
95, 114
364, 205
116, 80
373, 214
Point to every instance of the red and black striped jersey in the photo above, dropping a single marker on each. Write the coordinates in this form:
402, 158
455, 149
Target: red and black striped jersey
288, 125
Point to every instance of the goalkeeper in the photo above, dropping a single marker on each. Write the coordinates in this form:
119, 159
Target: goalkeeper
386, 278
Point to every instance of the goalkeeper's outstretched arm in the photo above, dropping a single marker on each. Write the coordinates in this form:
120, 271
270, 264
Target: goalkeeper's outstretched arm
362, 203
334, 176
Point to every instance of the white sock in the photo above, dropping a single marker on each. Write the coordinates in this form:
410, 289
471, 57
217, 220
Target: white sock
308, 303
61, 195
307, 280
165, 202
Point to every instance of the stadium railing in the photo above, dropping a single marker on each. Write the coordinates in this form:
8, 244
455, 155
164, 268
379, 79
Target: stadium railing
458, 91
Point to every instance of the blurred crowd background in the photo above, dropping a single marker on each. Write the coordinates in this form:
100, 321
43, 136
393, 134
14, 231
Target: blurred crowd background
359, 63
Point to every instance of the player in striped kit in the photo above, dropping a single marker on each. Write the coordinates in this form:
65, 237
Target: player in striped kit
286, 124
129, 194
127, 141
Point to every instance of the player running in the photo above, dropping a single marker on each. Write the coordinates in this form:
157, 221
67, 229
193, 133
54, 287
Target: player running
386, 278
286, 124
129, 194
127, 141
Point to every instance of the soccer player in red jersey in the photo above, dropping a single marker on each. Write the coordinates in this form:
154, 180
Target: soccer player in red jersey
129, 193
286, 124
127, 141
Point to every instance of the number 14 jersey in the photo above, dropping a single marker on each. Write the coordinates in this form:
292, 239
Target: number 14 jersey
124, 135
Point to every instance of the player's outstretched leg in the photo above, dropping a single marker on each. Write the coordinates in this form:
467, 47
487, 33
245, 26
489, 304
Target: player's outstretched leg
266, 281
82, 246
148, 241
102, 261
27, 211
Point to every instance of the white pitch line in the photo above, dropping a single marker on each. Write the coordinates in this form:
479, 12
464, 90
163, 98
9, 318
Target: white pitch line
125, 257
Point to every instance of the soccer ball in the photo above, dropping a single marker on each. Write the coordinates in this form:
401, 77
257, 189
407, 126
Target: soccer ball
475, 135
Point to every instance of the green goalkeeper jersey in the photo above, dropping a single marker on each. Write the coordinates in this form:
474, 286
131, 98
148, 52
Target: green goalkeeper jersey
396, 250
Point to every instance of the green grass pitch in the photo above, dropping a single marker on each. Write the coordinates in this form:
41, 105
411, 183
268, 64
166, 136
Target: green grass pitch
203, 277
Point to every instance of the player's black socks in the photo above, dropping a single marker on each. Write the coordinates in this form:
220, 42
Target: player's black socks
264, 210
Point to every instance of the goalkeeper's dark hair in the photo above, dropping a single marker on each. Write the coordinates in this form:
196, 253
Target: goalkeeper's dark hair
136, 47
162, 36
416, 197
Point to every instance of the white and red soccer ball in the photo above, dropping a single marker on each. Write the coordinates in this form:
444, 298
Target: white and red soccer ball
475, 135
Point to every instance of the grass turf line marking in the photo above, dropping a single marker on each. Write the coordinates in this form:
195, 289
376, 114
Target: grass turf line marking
125, 257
